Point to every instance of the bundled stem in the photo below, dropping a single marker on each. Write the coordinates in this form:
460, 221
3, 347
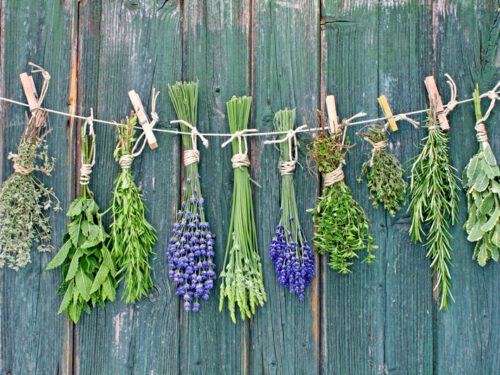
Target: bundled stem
133, 237
433, 205
481, 180
242, 279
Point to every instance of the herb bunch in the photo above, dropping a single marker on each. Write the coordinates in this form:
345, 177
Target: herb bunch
383, 172
342, 228
433, 204
481, 180
191, 247
289, 251
24, 200
133, 237
242, 279
88, 270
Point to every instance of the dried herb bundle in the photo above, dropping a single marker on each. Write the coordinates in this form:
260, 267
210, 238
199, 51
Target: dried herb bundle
242, 279
383, 172
88, 270
133, 237
342, 228
24, 200
481, 180
433, 205
290, 252
191, 248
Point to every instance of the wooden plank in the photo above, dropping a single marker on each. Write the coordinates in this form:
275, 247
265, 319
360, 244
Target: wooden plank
129, 40
33, 338
467, 39
285, 333
217, 53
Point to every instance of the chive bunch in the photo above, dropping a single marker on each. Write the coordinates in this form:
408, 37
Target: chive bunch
242, 279
191, 247
289, 251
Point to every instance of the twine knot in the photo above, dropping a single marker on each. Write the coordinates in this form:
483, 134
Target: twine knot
85, 171
287, 167
191, 157
18, 168
240, 160
125, 161
481, 134
333, 177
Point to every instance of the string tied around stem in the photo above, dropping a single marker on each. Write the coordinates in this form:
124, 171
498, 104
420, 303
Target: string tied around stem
335, 176
192, 156
240, 159
287, 167
481, 133
86, 168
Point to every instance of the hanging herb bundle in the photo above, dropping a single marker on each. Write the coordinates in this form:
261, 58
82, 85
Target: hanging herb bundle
342, 228
191, 247
433, 204
242, 279
133, 237
290, 252
481, 180
383, 172
88, 270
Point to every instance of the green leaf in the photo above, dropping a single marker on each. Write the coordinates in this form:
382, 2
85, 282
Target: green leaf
75, 208
101, 275
487, 203
472, 170
495, 238
74, 231
490, 224
488, 155
107, 260
495, 187
73, 266
83, 284
60, 257
481, 182
66, 299
109, 290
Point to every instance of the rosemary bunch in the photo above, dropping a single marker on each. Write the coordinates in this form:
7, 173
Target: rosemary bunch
383, 172
24, 200
242, 279
433, 204
88, 270
342, 228
481, 180
133, 237
191, 247
290, 252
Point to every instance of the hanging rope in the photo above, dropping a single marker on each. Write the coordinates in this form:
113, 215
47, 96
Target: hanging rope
86, 168
193, 155
287, 167
481, 133
240, 159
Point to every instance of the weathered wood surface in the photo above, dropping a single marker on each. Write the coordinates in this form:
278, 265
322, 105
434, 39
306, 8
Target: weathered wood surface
379, 320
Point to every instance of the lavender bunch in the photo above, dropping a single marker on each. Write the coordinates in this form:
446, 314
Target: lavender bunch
191, 247
290, 252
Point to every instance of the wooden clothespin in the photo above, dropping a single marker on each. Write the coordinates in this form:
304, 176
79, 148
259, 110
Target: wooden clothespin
29, 91
143, 119
382, 100
436, 102
331, 109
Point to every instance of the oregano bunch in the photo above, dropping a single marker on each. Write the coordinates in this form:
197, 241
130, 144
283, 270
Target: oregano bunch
133, 236
191, 247
242, 278
481, 180
88, 270
342, 227
433, 205
383, 172
25, 201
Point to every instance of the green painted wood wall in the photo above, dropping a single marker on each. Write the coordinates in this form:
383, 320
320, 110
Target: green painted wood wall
381, 319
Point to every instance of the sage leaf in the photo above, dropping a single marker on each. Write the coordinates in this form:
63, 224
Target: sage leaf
60, 257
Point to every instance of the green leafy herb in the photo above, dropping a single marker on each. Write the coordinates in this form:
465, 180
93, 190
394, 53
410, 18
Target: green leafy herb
88, 271
242, 279
384, 173
133, 237
24, 200
433, 205
481, 180
342, 228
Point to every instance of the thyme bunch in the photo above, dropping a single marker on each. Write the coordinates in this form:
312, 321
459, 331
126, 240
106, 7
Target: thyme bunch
25, 201
433, 205
481, 180
383, 172
88, 270
191, 247
242, 279
342, 228
133, 237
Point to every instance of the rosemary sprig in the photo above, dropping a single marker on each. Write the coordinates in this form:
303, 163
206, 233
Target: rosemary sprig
242, 279
24, 200
133, 237
481, 180
88, 271
433, 204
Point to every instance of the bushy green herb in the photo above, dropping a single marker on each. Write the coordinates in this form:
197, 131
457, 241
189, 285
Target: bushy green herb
481, 180
384, 173
88, 271
342, 228
24, 200
433, 205
133, 237
242, 279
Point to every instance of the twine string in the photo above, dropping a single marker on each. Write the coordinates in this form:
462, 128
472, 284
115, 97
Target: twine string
45, 84
453, 95
240, 159
287, 167
333, 177
86, 168
142, 140
193, 155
